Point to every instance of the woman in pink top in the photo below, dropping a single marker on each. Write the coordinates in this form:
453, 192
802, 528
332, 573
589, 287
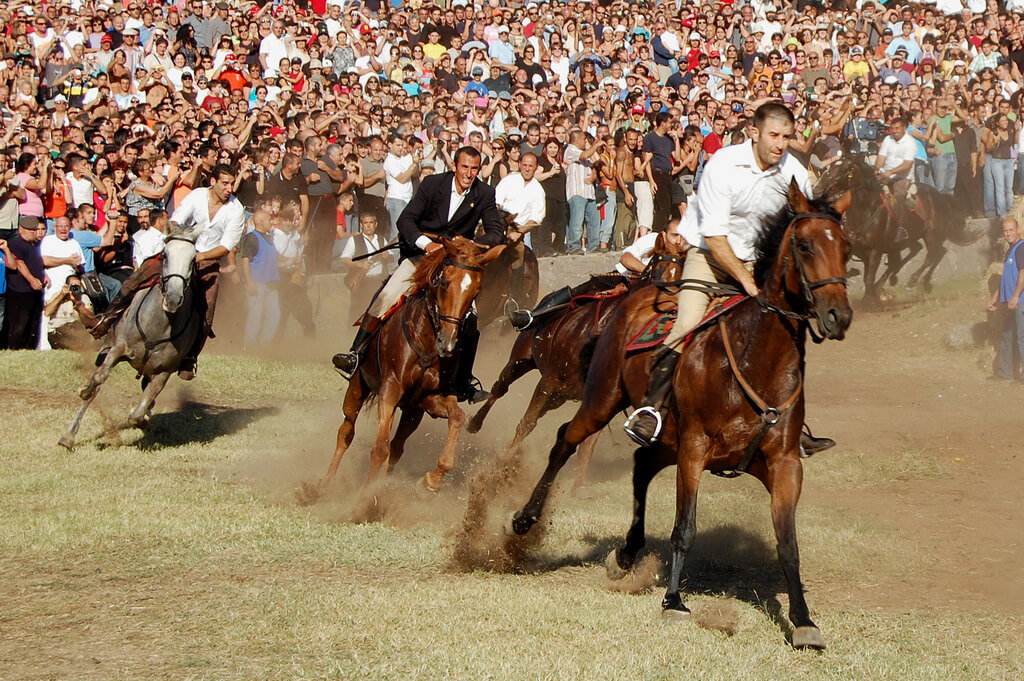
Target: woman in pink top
33, 176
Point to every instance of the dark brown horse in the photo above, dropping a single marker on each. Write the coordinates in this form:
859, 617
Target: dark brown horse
738, 401
560, 348
502, 287
409, 363
877, 229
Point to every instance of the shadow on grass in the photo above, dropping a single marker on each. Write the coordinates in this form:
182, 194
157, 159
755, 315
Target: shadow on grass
198, 423
725, 560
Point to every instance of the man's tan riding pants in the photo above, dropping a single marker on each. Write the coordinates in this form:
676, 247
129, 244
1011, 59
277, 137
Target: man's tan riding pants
398, 285
693, 305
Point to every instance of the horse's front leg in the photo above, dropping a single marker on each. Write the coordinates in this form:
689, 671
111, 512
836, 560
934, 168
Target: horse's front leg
784, 480
445, 406
407, 425
684, 531
139, 418
646, 464
354, 397
88, 393
389, 396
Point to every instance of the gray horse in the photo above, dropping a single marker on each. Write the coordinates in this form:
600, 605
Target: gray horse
153, 334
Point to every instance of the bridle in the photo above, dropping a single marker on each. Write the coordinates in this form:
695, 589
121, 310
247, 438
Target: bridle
436, 318
807, 287
186, 280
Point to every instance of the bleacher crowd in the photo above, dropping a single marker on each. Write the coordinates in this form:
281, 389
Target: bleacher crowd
594, 120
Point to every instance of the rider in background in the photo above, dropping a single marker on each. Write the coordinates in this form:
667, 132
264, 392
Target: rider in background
742, 187
446, 205
895, 160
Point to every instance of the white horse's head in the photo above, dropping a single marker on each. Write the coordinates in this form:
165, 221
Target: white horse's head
178, 265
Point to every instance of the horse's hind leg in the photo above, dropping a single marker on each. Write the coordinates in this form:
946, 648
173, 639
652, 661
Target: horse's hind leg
646, 464
389, 396
139, 418
583, 460
570, 435
448, 407
354, 398
88, 394
514, 369
546, 396
407, 425
783, 480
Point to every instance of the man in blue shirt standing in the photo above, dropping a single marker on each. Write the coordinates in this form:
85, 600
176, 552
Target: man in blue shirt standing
1010, 293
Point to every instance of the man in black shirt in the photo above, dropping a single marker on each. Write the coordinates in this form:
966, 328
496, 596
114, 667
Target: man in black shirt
290, 186
25, 281
657, 150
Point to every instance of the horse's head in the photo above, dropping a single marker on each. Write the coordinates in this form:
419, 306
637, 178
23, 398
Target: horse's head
667, 257
178, 263
452, 277
811, 254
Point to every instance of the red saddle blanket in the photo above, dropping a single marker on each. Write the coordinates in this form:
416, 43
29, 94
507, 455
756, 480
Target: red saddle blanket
659, 325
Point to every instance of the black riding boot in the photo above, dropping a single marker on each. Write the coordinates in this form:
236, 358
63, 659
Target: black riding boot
346, 363
524, 319
644, 424
467, 388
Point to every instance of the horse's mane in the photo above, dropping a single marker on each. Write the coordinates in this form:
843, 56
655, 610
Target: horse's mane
770, 242
430, 265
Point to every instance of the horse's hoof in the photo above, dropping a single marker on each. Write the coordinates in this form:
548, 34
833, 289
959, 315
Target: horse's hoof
517, 525
84, 392
67, 442
894, 280
474, 425
808, 637
612, 567
309, 493
673, 615
433, 481
141, 423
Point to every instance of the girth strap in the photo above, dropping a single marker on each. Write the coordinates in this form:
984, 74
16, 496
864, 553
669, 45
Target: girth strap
769, 415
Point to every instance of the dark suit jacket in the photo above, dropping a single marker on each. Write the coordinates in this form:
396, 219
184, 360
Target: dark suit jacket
427, 214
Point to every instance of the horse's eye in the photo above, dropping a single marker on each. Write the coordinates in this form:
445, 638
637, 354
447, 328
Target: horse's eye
805, 246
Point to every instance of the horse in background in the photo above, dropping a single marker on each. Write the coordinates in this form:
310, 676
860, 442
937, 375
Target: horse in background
153, 335
502, 287
877, 229
411, 361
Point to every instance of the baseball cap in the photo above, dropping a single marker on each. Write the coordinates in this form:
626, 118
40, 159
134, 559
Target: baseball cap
277, 130
106, 39
856, 49
480, 102
316, 64
638, 108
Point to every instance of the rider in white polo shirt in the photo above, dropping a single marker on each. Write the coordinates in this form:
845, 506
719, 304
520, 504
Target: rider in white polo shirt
742, 186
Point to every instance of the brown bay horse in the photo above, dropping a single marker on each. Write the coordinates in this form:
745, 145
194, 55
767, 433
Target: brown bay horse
500, 289
877, 230
410, 362
737, 403
560, 348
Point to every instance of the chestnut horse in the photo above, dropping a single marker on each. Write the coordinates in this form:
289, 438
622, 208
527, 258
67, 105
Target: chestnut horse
738, 401
497, 290
409, 363
560, 348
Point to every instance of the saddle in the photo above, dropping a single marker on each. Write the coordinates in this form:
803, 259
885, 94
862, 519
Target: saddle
660, 324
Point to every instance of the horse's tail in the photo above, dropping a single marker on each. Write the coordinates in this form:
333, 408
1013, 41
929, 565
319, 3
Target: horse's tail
963, 234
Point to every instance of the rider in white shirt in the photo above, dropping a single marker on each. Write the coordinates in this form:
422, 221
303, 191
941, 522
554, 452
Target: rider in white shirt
741, 187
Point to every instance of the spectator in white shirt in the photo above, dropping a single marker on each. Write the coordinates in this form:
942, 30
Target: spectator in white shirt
400, 167
149, 239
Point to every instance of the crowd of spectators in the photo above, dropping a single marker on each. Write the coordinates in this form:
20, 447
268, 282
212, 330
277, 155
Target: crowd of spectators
332, 112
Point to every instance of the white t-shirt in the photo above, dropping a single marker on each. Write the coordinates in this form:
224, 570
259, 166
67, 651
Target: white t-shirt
524, 200
81, 190
146, 243
393, 167
736, 198
275, 49
53, 247
287, 244
897, 153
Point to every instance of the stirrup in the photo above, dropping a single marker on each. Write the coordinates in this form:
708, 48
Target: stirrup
520, 319
641, 438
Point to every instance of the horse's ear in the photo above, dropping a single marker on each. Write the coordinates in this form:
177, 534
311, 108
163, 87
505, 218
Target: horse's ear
797, 200
659, 243
842, 204
491, 253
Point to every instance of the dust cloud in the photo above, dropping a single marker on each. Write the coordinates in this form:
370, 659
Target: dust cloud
642, 578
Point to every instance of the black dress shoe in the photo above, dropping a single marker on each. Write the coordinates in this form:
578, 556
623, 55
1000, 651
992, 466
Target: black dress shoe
346, 363
810, 445
520, 319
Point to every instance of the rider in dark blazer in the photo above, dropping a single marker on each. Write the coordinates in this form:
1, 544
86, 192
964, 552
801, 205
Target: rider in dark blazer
446, 205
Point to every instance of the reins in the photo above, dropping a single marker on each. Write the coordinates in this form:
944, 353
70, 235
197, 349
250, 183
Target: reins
148, 344
771, 415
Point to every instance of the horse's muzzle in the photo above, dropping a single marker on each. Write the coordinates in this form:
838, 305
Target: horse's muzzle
446, 343
834, 320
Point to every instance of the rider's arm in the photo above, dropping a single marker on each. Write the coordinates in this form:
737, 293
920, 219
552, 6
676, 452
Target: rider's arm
721, 251
631, 262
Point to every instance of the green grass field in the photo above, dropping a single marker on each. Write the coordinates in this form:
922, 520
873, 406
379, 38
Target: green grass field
181, 554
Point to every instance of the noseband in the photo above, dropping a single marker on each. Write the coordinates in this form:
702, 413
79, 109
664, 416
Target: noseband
440, 282
185, 279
